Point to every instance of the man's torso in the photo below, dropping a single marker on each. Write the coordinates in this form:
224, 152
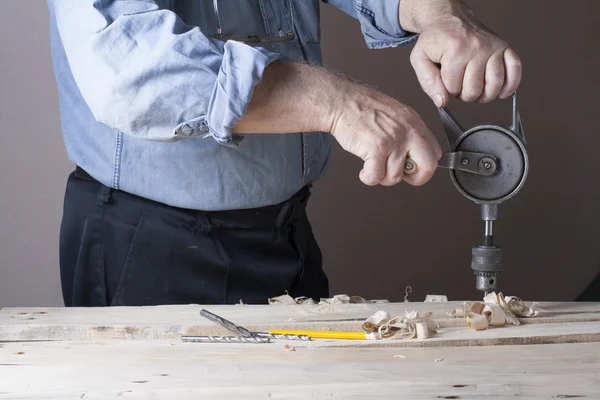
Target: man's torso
200, 173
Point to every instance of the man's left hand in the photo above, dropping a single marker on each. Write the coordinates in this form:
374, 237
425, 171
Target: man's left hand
456, 55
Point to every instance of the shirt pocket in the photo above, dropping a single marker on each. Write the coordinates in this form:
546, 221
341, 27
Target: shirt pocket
307, 20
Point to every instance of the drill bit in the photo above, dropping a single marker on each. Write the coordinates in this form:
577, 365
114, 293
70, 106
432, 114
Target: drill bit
243, 332
227, 324
287, 336
224, 339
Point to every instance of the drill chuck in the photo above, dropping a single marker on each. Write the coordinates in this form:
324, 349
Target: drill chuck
486, 263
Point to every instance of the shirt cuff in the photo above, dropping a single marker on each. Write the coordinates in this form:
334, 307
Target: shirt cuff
241, 70
380, 22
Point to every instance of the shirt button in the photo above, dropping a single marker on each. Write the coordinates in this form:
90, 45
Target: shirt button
186, 130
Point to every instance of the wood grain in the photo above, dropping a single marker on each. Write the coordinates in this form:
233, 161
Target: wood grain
163, 322
169, 369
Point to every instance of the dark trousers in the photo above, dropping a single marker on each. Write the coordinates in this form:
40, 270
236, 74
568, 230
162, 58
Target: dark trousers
120, 249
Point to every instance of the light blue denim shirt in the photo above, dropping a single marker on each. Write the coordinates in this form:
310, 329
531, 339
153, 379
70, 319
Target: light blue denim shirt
148, 99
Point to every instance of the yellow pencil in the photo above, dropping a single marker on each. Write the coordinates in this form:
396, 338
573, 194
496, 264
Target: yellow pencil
328, 335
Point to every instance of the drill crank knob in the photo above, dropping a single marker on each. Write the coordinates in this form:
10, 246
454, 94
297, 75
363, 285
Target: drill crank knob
410, 166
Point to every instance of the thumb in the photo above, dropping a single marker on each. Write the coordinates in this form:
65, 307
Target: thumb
429, 76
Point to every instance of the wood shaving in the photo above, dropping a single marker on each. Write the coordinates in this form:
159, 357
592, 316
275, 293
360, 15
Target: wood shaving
477, 321
477, 308
494, 314
286, 299
287, 347
399, 356
496, 310
422, 330
375, 321
512, 306
337, 299
460, 312
401, 327
407, 290
436, 298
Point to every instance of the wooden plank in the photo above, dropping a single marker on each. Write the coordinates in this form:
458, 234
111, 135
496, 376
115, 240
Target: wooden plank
17, 324
169, 369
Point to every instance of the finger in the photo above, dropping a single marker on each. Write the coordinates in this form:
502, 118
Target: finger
430, 77
425, 158
433, 142
474, 80
453, 73
373, 171
394, 170
494, 78
514, 71
421, 129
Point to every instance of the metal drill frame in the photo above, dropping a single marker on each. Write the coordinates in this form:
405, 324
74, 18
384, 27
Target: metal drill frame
486, 260
456, 134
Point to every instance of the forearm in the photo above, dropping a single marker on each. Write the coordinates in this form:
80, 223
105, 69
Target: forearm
293, 97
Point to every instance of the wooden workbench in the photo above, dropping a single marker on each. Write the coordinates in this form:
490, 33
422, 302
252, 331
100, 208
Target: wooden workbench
59, 353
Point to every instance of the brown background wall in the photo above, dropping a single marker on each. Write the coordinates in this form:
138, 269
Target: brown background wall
378, 240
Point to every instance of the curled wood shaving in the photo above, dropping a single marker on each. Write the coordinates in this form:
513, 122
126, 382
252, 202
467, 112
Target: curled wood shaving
283, 299
512, 306
496, 310
494, 314
477, 308
407, 291
477, 321
460, 312
422, 330
375, 321
409, 325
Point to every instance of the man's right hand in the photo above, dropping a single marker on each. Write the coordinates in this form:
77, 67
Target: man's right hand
295, 97
384, 132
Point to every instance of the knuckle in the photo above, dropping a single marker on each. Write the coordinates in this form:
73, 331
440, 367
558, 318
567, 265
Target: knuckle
512, 59
478, 44
455, 44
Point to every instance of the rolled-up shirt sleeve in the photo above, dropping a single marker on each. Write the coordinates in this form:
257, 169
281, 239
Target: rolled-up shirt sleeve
379, 21
143, 71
